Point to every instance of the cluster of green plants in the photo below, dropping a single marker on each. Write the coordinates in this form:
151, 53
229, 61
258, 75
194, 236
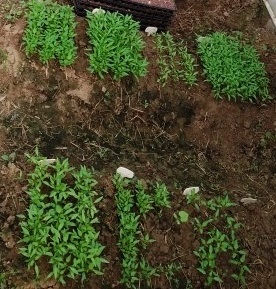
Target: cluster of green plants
146, 201
130, 198
59, 223
217, 231
116, 45
233, 67
50, 32
174, 60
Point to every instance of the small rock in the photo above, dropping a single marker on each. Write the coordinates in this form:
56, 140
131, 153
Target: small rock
248, 201
191, 190
98, 11
41, 98
178, 239
164, 249
47, 161
48, 283
82, 43
196, 244
7, 27
125, 173
226, 14
10, 244
9, 241
106, 234
151, 30
247, 124
6, 225
10, 220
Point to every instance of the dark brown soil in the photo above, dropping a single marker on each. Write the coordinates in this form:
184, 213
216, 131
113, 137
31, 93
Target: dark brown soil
177, 134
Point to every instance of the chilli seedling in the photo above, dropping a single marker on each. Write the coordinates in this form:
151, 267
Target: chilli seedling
116, 45
50, 32
59, 223
233, 67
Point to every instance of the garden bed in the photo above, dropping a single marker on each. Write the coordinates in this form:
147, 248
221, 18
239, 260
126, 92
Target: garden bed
177, 134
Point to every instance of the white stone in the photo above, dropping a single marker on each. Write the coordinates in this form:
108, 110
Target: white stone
125, 173
47, 161
151, 30
248, 201
191, 190
98, 11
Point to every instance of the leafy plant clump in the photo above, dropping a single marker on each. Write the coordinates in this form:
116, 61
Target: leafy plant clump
174, 60
129, 232
116, 45
131, 197
50, 32
233, 67
218, 238
59, 223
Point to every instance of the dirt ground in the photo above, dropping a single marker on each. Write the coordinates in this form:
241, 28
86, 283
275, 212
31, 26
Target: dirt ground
177, 134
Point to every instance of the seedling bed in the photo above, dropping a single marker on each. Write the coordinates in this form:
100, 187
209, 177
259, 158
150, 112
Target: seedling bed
157, 13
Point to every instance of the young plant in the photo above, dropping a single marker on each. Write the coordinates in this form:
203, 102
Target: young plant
132, 238
232, 67
174, 60
8, 157
129, 231
162, 196
181, 217
144, 200
50, 32
171, 270
215, 241
116, 45
145, 240
147, 271
59, 221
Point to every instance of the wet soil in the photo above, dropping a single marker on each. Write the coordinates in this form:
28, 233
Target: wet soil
177, 134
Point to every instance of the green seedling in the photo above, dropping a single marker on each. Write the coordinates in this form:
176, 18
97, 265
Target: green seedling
59, 222
171, 270
215, 241
145, 240
9, 157
131, 197
116, 45
144, 200
233, 67
129, 232
174, 60
50, 32
147, 271
162, 196
181, 217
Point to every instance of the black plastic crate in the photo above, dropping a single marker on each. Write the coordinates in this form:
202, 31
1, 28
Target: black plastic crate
147, 14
